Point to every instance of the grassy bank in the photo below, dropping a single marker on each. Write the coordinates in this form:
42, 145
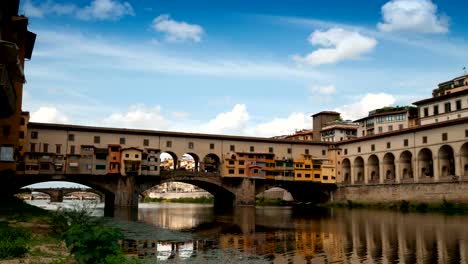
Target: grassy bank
29, 234
202, 200
406, 206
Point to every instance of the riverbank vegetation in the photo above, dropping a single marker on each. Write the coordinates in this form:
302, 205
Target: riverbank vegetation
202, 200
33, 235
406, 206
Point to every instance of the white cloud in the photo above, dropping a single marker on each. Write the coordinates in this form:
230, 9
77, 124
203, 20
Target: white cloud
232, 122
96, 10
338, 45
180, 115
47, 7
177, 31
105, 10
281, 126
325, 89
100, 53
47, 114
412, 16
139, 117
367, 103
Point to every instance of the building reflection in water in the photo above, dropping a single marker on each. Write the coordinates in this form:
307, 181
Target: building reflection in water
337, 235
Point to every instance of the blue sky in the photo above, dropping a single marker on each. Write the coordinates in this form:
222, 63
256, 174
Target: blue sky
246, 68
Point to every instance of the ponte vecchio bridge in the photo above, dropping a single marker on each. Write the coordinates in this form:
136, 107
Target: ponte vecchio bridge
123, 163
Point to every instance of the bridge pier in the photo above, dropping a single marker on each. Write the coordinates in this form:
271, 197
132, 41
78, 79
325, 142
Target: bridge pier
56, 196
245, 192
126, 194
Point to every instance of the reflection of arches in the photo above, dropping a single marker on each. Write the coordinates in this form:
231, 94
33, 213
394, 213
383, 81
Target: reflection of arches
464, 159
190, 161
389, 166
425, 163
276, 193
346, 165
168, 163
406, 165
211, 163
359, 169
373, 165
446, 161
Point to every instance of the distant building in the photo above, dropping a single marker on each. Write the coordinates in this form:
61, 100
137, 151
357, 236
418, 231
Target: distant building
387, 119
304, 134
339, 130
449, 101
320, 120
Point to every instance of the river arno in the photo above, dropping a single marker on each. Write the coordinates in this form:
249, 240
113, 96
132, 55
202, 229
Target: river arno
290, 235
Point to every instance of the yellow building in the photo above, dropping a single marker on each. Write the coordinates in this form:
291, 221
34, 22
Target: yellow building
131, 161
303, 168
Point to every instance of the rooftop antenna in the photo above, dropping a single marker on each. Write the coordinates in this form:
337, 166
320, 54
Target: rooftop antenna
464, 70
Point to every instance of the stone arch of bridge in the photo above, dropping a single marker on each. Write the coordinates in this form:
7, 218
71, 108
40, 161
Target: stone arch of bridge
90, 190
301, 192
224, 193
105, 186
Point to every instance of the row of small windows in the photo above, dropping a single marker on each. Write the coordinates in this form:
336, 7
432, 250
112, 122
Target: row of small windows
447, 108
191, 145
405, 142
390, 118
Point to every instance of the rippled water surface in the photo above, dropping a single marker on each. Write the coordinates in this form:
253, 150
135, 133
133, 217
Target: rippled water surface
181, 233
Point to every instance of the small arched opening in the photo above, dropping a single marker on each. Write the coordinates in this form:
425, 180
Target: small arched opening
373, 169
190, 162
211, 163
464, 159
359, 170
446, 161
168, 161
346, 165
406, 166
389, 167
425, 164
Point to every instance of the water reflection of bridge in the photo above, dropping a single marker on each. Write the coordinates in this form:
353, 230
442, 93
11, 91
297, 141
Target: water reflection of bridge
337, 236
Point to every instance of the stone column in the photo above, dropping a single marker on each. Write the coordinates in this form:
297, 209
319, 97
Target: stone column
398, 174
459, 165
352, 172
435, 163
381, 170
366, 174
415, 168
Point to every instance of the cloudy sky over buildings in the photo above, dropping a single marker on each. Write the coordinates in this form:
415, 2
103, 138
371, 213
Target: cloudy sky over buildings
245, 68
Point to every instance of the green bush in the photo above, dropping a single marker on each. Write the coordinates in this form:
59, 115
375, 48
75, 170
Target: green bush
93, 243
14, 242
404, 206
